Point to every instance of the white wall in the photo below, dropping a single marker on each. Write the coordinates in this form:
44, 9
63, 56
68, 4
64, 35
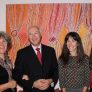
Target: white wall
2, 15
4, 2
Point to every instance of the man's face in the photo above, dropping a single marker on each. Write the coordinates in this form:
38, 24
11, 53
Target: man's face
34, 36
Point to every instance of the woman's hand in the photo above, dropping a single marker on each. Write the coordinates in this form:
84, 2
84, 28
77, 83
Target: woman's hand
5, 86
25, 77
85, 89
12, 84
63, 89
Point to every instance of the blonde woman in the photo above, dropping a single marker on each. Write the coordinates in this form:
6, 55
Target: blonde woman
7, 84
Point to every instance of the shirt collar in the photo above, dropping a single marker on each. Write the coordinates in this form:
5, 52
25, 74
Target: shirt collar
36, 47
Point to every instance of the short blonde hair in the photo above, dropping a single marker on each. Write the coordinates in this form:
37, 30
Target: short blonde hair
35, 27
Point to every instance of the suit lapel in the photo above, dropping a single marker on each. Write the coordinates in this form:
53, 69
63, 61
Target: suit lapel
44, 55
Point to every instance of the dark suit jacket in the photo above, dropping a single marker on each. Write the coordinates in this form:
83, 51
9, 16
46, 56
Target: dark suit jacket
27, 63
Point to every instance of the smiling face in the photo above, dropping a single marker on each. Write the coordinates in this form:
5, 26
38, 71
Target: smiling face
34, 36
3, 45
72, 45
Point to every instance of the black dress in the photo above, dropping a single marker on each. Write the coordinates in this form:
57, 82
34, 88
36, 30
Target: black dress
4, 77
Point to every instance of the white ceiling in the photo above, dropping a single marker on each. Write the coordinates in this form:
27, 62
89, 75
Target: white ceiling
44, 1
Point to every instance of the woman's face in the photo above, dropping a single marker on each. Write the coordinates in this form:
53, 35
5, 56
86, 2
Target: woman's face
72, 45
3, 45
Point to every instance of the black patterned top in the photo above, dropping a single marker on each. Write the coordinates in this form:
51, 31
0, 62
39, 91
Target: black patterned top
74, 75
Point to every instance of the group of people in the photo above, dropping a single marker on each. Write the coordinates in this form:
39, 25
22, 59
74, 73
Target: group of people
37, 69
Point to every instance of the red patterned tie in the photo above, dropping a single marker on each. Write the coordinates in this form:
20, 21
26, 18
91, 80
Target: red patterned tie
39, 55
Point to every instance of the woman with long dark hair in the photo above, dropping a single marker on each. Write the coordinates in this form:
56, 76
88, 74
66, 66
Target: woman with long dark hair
73, 65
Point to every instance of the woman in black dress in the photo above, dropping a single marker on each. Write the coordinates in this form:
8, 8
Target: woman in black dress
7, 84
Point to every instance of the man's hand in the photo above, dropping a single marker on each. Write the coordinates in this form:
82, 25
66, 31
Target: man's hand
42, 84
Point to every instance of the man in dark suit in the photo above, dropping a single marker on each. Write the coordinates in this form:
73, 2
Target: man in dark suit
36, 68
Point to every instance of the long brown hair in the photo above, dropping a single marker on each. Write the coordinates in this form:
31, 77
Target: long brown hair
65, 52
